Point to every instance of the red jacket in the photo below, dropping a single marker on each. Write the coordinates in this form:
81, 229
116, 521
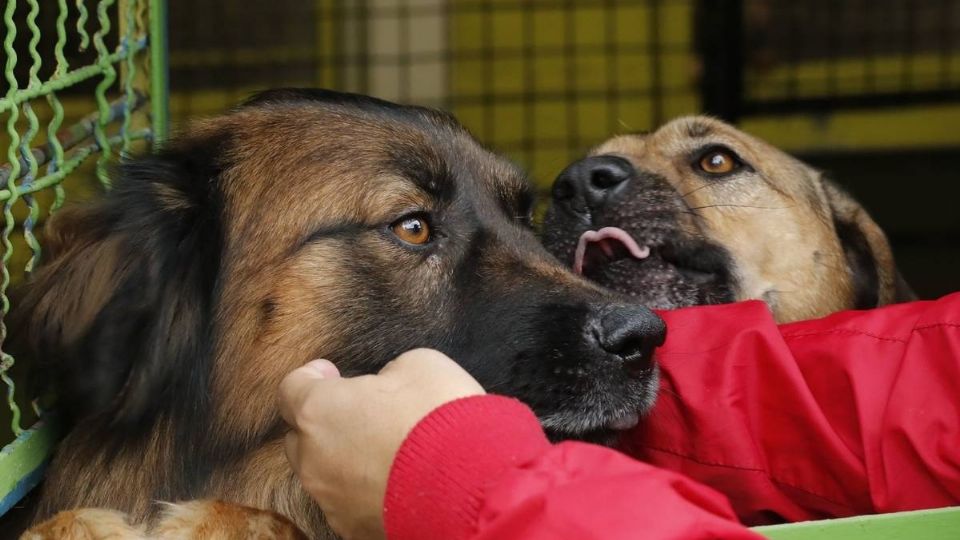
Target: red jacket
852, 414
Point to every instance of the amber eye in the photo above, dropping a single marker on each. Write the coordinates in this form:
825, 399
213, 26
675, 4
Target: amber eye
719, 162
412, 230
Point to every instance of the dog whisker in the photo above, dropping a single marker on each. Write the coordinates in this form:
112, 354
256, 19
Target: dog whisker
830, 266
691, 212
495, 387
692, 191
663, 390
741, 206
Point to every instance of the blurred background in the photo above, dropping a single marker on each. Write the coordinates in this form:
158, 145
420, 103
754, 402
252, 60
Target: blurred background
868, 90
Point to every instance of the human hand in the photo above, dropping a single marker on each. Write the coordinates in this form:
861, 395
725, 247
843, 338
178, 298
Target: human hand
346, 431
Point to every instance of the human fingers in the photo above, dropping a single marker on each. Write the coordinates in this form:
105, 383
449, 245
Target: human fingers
297, 385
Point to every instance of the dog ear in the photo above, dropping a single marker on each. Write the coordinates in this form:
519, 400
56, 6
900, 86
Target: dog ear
876, 279
118, 316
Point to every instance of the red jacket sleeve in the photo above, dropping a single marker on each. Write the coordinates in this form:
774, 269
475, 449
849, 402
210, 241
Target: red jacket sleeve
851, 414
481, 468
855, 413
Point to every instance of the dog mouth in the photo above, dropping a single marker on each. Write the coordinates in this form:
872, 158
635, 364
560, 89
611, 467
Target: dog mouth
600, 431
602, 414
623, 422
587, 427
599, 249
602, 247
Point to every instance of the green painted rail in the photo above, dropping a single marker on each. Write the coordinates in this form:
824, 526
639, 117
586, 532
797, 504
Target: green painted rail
22, 462
939, 524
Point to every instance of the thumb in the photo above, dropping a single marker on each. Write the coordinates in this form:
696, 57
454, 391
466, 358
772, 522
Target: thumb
295, 387
319, 369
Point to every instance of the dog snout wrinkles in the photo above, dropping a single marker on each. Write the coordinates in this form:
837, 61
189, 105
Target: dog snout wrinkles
629, 333
588, 184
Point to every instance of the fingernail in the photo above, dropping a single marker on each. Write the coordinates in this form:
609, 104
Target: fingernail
321, 368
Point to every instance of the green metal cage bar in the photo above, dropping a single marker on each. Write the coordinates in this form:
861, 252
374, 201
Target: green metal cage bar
39, 159
159, 68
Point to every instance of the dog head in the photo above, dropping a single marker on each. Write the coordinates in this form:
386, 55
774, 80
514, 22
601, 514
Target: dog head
310, 224
699, 212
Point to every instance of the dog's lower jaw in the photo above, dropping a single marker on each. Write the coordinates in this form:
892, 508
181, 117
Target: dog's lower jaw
599, 424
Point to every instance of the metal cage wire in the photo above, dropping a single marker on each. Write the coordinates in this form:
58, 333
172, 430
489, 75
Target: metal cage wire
108, 57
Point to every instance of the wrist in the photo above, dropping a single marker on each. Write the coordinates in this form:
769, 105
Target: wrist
436, 483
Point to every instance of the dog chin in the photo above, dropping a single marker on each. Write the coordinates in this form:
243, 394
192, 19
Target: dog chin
600, 418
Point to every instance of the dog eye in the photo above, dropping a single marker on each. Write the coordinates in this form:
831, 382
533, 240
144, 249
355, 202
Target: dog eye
412, 230
719, 161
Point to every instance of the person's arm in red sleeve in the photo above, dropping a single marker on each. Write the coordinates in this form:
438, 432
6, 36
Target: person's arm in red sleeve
481, 468
855, 413
851, 414
418, 451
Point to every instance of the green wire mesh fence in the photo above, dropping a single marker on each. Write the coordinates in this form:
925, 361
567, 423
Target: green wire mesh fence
84, 85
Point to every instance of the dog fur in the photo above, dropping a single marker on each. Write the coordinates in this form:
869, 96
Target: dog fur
167, 313
773, 229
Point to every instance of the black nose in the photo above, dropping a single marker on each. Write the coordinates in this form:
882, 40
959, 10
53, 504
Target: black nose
587, 185
630, 333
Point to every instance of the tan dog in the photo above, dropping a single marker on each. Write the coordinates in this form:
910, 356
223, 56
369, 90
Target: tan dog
699, 212
305, 224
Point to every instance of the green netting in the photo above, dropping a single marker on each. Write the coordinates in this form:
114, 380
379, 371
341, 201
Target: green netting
76, 85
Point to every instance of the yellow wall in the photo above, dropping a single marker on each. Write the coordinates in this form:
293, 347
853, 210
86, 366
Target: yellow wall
583, 116
908, 126
901, 127
562, 129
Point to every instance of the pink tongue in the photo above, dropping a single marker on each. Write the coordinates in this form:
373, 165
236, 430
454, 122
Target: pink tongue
611, 233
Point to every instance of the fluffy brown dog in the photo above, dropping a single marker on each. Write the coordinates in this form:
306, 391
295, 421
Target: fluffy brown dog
304, 224
699, 212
